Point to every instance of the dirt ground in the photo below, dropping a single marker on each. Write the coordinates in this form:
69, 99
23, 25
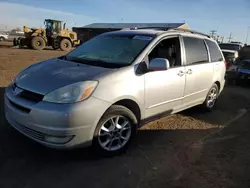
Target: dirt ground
189, 149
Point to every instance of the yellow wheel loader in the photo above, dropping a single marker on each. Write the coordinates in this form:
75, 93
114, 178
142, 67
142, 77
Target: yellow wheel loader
52, 35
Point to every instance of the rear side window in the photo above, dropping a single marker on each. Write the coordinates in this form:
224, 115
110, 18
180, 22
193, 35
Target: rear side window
196, 51
214, 51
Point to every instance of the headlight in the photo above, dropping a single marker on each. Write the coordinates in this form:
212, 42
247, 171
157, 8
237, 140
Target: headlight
72, 93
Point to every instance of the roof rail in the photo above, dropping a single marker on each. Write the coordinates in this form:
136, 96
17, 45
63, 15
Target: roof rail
158, 28
190, 31
175, 29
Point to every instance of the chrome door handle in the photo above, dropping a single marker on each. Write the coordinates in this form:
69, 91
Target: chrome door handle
189, 71
180, 73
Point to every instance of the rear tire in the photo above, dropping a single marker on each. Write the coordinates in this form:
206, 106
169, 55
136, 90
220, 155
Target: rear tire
2, 38
211, 98
38, 43
112, 136
65, 45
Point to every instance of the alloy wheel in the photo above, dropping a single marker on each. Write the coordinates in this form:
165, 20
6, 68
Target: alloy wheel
212, 97
114, 133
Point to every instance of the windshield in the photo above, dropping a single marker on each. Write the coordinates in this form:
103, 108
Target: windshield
48, 25
230, 46
111, 49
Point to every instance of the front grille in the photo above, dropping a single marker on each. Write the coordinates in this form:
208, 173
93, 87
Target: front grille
29, 95
30, 132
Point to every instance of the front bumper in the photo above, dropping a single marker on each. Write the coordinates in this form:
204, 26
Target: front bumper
44, 119
243, 76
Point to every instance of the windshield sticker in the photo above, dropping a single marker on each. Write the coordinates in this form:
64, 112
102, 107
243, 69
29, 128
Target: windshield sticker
138, 37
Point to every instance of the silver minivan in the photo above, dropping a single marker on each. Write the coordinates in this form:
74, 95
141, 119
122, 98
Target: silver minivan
101, 92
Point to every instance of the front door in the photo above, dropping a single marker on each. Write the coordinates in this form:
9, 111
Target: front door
164, 90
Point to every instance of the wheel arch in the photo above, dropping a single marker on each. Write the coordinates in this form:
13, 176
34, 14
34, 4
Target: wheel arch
218, 84
131, 105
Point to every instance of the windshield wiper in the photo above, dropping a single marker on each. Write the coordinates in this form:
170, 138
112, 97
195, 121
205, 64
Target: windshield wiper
94, 62
64, 57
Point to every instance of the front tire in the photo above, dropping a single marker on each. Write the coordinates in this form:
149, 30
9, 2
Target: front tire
2, 38
38, 43
115, 131
65, 45
211, 98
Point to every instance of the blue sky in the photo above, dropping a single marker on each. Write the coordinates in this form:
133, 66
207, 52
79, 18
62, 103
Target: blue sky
225, 16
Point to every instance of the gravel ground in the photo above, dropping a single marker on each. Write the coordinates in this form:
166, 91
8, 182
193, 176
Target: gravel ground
14, 60
169, 152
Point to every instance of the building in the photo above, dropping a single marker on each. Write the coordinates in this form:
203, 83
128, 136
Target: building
89, 31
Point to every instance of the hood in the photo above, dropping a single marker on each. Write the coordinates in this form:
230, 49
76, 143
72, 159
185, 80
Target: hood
52, 74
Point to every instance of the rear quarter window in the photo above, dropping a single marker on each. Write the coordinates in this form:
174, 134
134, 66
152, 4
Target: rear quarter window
196, 51
214, 50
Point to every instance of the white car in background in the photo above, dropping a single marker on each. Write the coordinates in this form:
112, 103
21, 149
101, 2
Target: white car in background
3, 37
230, 55
230, 46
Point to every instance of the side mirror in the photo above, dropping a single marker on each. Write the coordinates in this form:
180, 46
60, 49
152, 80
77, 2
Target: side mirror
159, 64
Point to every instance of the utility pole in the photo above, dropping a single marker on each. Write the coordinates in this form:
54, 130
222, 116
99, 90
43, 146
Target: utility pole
230, 37
248, 28
222, 39
213, 32
217, 37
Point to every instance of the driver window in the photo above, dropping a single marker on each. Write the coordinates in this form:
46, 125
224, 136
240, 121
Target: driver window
168, 49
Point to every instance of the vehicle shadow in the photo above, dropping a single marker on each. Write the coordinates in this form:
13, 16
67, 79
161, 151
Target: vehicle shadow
24, 162
167, 125
231, 101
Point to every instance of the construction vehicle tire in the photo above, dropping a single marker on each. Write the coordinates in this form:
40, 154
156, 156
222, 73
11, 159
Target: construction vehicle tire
38, 43
65, 45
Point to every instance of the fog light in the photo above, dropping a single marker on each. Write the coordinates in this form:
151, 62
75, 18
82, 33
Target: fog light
58, 140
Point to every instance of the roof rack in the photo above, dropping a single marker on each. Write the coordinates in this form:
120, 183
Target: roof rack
190, 31
156, 28
174, 29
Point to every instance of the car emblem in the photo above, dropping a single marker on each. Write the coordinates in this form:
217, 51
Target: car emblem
17, 91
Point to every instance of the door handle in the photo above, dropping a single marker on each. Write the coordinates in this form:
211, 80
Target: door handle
189, 71
180, 73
